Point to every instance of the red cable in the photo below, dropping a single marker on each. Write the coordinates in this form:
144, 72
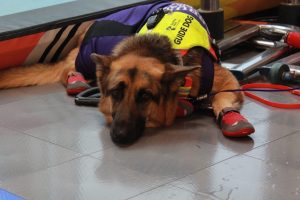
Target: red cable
267, 102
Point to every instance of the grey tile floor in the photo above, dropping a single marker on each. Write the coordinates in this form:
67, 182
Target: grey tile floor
52, 149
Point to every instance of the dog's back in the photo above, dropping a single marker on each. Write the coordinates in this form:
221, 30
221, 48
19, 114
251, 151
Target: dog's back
126, 23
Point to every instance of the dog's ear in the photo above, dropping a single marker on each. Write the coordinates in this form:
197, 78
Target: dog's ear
177, 72
102, 69
102, 63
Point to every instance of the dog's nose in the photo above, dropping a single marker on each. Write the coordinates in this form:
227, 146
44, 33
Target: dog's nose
124, 133
120, 133
121, 136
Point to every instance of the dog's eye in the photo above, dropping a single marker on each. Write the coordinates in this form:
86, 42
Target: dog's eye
144, 96
116, 94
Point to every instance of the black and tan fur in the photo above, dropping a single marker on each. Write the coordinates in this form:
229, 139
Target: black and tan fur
138, 83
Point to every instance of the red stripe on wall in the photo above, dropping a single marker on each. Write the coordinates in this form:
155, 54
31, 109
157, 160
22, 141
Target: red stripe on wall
15, 51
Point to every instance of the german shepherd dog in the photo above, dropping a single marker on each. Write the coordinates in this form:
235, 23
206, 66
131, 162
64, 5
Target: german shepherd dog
138, 82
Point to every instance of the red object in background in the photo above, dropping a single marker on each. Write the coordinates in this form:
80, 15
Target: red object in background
14, 52
293, 39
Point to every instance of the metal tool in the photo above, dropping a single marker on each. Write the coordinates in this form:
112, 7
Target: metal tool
238, 35
293, 59
276, 39
284, 70
246, 31
285, 34
282, 73
265, 44
251, 65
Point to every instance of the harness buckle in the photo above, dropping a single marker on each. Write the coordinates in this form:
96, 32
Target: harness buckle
155, 18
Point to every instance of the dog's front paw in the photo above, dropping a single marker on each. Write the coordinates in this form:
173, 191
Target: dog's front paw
152, 124
233, 124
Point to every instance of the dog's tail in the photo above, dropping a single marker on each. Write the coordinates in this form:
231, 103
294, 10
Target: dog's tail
38, 74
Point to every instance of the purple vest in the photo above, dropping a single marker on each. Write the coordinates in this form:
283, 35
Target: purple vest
106, 32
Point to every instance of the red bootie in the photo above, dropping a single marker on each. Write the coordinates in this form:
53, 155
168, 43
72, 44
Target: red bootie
233, 124
76, 83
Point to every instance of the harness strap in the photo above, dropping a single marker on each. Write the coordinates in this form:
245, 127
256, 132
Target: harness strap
207, 79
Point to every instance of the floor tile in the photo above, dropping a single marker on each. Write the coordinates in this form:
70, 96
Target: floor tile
35, 112
84, 178
265, 132
284, 151
165, 153
84, 134
43, 136
52, 93
288, 117
171, 193
284, 97
43, 89
255, 112
244, 178
22, 154
11, 95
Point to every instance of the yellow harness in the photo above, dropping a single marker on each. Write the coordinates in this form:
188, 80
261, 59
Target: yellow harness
183, 30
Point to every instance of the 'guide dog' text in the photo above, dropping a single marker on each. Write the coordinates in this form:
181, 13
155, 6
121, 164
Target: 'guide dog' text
183, 29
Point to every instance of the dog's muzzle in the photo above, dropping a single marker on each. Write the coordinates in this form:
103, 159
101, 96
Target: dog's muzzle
124, 132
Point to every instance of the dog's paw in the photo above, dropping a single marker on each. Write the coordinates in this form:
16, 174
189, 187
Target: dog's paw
152, 124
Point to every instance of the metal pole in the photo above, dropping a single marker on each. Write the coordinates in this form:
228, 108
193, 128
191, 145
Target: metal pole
289, 12
213, 15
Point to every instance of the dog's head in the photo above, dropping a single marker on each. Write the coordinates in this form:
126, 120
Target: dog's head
138, 85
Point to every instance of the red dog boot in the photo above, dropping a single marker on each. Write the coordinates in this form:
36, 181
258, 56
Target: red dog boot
233, 124
76, 83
